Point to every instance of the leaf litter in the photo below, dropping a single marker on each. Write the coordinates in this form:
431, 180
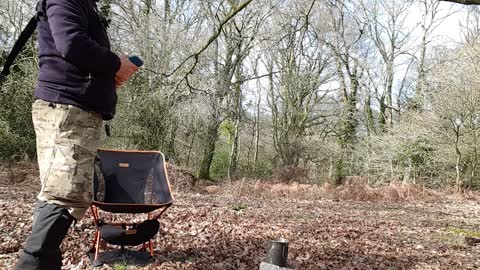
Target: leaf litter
228, 231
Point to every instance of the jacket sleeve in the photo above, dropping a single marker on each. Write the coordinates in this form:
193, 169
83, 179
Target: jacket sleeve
68, 20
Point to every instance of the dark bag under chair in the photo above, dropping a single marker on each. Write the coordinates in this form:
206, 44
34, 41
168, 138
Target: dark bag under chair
134, 182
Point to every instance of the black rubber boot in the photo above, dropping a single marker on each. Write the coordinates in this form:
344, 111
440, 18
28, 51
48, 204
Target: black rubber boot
42, 248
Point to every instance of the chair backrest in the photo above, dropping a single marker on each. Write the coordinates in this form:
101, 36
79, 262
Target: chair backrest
131, 177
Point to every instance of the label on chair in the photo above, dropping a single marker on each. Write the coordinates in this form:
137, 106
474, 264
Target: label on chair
129, 232
123, 165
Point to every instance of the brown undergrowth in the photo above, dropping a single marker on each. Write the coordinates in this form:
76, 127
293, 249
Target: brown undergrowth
182, 179
394, 192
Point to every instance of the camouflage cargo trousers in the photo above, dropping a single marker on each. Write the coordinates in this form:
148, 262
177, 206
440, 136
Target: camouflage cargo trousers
67, 141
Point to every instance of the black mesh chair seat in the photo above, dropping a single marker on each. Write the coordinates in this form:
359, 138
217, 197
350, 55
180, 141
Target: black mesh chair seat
128, 208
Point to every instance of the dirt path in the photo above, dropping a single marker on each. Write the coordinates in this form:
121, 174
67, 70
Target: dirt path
229, 232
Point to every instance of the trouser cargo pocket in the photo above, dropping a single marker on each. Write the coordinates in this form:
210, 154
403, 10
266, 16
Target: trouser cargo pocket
70, 175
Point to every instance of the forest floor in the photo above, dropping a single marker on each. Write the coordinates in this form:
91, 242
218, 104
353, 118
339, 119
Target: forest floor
228, 227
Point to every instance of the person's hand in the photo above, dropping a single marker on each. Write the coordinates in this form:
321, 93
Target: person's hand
127, 69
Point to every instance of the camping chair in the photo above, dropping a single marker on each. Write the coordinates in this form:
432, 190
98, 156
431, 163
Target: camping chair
129, 182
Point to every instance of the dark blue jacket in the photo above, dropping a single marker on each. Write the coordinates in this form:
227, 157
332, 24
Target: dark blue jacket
77, 66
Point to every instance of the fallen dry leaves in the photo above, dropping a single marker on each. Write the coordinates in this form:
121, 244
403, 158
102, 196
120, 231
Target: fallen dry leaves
230, 231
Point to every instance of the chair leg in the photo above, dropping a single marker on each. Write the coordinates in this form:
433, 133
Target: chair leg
94, 214
94, 244
150, 245
97, 245
96, 261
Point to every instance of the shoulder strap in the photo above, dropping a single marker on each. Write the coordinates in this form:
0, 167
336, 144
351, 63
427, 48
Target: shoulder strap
23, 39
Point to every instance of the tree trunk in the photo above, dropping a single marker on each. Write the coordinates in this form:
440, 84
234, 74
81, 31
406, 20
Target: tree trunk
232, 168
421, 77
257, 134
349, 121
369, 116
382, 121
148, 7
475, 157
330, 168
339, 171
171, 143
209, 150
167, 15
458, 180
390, 74
190, 147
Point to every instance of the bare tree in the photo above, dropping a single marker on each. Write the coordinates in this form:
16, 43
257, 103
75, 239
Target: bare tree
231, 49
295, 93
386, 24
344, 39
456, 106
430, 21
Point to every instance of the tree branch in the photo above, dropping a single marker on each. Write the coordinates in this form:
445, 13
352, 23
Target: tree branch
241, 81
211, 39
464, 2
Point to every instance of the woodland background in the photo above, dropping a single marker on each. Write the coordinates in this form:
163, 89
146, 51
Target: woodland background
315, 91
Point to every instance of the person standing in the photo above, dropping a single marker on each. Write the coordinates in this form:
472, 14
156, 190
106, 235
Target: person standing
76, 91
